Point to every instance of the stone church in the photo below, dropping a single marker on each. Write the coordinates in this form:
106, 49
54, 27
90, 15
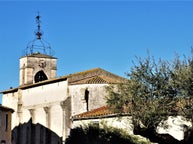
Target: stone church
44, 104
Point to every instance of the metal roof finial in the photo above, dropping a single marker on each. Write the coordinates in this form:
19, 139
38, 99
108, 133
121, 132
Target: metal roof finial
38, 32
38, 45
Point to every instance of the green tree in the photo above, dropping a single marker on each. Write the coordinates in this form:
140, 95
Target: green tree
183, 83
154, 91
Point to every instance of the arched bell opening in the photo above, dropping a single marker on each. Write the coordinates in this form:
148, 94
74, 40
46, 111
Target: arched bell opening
40, 76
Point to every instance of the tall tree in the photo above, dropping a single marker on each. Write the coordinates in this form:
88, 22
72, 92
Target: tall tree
154, 91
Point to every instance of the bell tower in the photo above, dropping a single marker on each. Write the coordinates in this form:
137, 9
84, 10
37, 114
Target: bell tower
38, 64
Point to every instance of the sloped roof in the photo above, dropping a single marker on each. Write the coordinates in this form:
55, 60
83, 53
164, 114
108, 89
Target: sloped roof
4, 108
95, 76
92, 76
101, 112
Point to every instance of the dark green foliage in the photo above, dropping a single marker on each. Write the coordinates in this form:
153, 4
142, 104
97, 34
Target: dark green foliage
95, 135
148, 95
155, 90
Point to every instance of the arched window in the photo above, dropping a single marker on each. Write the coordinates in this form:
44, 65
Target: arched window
86, 97
40, 76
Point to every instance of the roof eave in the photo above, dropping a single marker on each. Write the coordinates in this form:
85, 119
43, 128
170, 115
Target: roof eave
6, 109
34, 85
100, 116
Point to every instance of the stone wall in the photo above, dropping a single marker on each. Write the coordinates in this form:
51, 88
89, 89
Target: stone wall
122, 122
174, 126
51, 105
31, 64
5, 126
41, 105
96, 97
11, 100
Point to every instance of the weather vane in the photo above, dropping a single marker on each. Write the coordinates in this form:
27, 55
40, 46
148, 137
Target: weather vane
38, 32
38, 45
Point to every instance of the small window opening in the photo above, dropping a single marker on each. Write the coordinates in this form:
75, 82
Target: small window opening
0, 120
6, 122
86, 97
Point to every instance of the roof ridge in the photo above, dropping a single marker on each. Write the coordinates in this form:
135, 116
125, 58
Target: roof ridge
79, 76
89, 70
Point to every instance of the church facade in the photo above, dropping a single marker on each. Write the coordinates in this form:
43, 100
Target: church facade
43, 103
51, 102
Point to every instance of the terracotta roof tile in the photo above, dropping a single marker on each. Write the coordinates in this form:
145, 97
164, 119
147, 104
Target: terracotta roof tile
94, 113
96, 80
92, 76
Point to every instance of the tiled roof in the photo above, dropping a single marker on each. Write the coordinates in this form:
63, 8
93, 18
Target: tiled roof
94, 113
96, 80
92, 76
100, 112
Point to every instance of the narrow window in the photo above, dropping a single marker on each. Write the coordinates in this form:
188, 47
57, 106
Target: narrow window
6, 122
86, 97
0, 119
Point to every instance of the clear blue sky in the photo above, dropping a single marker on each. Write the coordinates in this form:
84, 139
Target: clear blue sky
89, 34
